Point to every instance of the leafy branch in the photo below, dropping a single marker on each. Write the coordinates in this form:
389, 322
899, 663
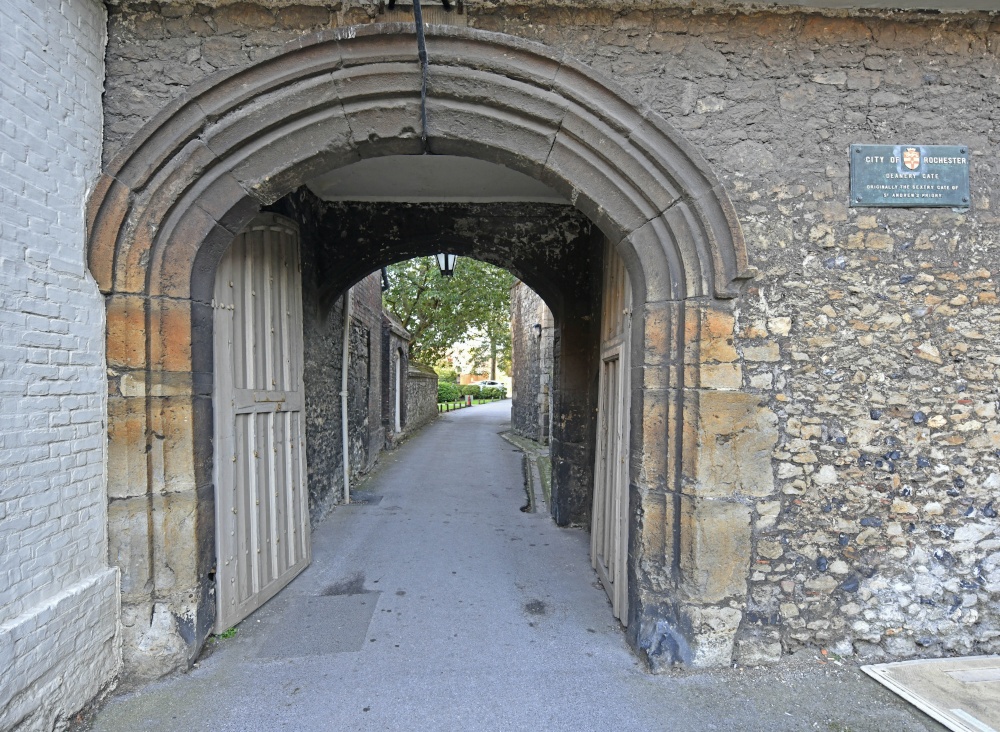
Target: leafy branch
440, 312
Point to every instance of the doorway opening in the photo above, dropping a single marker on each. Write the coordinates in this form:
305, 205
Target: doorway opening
549, 245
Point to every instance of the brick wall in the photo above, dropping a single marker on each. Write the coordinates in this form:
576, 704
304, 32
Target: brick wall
58, 598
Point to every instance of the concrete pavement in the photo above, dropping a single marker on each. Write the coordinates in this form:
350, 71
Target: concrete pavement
438, 605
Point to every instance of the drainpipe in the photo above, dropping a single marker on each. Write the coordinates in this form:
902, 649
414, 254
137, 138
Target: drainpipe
344, 367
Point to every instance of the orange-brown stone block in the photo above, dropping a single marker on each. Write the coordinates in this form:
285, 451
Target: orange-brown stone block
127, 475
126, 331
175, 541
733, 435
660, 344
716, 375
715, 549
170, 331
128, 545
709, 333
653, 468
172, 445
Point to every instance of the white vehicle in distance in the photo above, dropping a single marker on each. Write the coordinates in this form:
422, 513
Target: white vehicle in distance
487, 383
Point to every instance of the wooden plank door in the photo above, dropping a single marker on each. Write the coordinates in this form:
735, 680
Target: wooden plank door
261, 506
609, 525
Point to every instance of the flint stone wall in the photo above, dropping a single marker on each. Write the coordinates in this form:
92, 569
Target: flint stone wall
531, 357
323, 345
421, 397
868, 347
324, 329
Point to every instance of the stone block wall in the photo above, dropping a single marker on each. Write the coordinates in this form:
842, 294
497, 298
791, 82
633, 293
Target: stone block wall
859, 368
324, 347
59, 641
870, 337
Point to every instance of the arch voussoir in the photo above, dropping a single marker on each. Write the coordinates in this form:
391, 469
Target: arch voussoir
590, 90
488, 89
285, 158
142, 270
655, 243
172, 261
517, 59
107, 209
258, 117
721, 244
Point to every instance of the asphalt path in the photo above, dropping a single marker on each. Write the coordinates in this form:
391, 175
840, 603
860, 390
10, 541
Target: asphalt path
436, 604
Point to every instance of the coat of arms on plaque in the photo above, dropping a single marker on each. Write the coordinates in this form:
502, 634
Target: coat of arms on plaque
911, 158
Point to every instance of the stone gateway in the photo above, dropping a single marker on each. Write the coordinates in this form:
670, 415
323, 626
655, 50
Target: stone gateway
813, 451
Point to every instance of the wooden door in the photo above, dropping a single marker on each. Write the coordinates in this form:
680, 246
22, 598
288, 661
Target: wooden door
609, 526
261, 506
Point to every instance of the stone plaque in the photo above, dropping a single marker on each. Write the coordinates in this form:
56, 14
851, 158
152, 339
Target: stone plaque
910, 175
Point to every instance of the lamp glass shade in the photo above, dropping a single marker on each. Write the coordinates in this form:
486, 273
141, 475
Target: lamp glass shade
446, 263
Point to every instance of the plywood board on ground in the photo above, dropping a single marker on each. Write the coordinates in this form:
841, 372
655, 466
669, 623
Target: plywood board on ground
961, 693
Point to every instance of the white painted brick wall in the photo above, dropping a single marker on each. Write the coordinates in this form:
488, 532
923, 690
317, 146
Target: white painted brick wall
58, 599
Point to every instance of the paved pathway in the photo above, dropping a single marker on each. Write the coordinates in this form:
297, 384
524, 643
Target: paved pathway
440, 606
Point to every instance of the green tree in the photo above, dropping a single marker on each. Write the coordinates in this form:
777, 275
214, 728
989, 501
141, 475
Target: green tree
494, 348
442, 311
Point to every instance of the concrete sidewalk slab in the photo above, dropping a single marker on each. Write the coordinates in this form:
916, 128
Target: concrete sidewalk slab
483, 618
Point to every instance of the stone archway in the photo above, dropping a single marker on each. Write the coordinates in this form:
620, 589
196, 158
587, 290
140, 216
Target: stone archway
166, 208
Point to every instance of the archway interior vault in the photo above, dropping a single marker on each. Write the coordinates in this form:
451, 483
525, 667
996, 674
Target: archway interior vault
430, 179
168, 205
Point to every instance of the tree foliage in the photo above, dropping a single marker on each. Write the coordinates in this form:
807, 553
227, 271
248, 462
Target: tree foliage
440, 312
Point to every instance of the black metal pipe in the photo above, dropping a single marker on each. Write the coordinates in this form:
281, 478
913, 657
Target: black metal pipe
418, 18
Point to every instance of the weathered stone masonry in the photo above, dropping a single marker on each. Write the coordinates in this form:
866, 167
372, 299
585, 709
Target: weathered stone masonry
872, 335
421, 397
396, 346
842, 410
269, 130
531, 348
59, 641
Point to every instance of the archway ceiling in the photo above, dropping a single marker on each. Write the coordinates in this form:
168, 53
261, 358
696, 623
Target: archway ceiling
430, 179
553, 248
